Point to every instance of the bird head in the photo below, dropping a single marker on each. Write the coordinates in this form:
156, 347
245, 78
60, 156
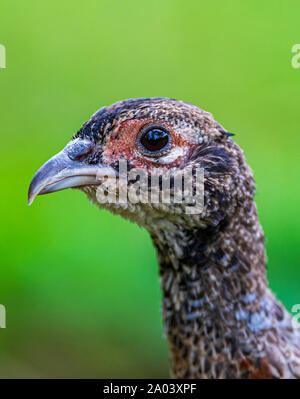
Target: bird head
160, 138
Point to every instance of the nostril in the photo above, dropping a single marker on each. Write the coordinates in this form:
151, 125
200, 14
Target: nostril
79, 150
81, 158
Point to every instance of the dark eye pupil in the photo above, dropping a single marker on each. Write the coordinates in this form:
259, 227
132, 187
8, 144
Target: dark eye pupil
155, 139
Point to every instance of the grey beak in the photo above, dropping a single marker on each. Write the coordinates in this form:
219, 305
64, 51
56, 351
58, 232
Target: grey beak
65, 170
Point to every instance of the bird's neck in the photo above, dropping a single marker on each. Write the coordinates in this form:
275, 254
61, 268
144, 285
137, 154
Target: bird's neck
214, 292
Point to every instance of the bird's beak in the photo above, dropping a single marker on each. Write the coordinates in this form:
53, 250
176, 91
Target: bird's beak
66, 169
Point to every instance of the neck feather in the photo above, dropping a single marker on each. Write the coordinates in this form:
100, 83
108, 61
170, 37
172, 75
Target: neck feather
215, 294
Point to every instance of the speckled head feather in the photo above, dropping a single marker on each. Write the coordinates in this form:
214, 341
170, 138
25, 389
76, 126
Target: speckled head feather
220, 317
178, 113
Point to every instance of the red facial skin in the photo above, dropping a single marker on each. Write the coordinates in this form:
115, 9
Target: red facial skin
122, 144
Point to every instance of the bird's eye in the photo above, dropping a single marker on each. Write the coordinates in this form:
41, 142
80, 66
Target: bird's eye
154, 139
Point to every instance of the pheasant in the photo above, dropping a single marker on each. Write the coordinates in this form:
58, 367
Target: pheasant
220, 317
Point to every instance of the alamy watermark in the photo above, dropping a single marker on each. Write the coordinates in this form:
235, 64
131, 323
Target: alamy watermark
133, 185
296, 57
2, 316
2, 56
296, 317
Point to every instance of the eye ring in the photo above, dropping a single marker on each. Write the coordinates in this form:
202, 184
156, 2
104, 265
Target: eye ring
154, 139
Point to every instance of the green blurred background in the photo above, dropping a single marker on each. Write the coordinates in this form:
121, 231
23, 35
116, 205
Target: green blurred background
81, 286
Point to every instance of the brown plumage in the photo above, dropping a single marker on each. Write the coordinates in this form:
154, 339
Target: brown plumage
220, 317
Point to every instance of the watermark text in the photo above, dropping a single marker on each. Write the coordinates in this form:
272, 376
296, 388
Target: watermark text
2, 56
133, 185
2, 316
296, 317
296, 57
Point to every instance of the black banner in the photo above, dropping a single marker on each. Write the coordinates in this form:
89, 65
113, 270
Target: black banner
140, 388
